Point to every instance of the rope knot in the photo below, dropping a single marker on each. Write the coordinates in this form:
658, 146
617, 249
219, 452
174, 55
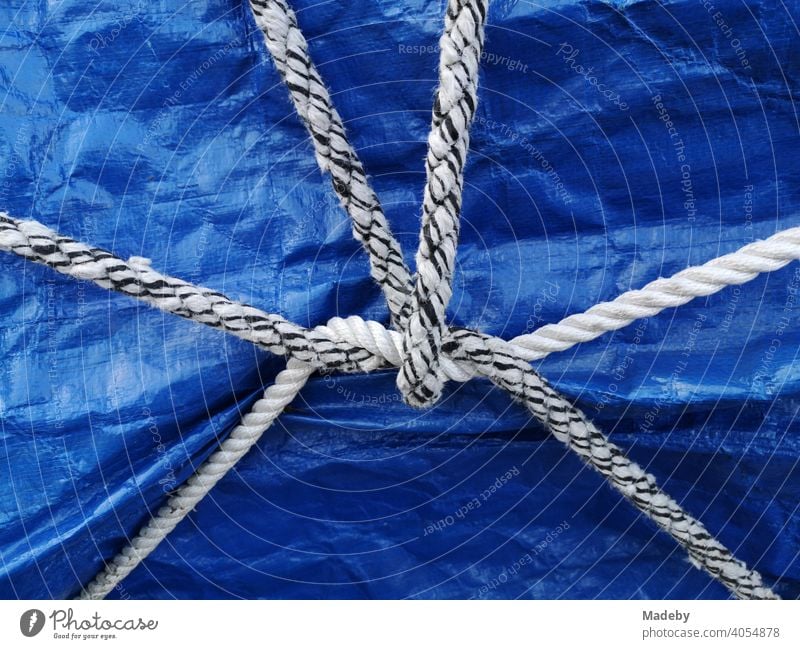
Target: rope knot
421, 379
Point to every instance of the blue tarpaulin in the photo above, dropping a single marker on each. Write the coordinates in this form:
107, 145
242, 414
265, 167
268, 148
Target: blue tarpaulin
614, 142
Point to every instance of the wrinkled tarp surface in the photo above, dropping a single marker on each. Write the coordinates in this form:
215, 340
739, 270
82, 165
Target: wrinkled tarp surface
614, 142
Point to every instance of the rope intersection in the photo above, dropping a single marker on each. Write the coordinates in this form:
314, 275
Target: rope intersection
426, 351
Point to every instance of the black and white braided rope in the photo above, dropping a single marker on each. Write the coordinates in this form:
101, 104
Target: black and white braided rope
420, 378
498, 361
136, 278
334, 154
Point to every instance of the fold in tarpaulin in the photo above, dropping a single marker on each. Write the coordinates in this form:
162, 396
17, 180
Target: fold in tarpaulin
614, 142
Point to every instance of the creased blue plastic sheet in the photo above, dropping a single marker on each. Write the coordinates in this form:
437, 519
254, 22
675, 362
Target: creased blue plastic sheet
615, 142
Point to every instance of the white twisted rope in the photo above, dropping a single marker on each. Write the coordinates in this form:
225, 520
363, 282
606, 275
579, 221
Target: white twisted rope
424, 349
420, 379
696, 281
242, 438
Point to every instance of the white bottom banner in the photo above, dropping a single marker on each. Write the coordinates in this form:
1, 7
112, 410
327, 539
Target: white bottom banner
402, 624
